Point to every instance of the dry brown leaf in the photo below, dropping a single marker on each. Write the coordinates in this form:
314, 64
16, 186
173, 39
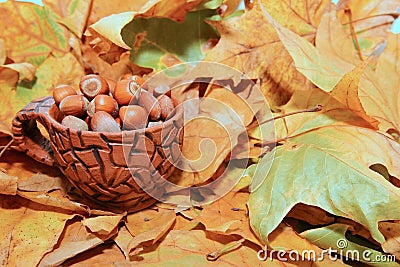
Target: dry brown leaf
104, 255
264, 56
183, 223
75, 239
24, 167
228, 216
326, 67
30, 231
148, 225
370, 19
55, 200
102, 225
5, 130
379, 89
391, 231
183, 247
73, 14
346, 92
8, 184
122, 240
334, 42
43, 182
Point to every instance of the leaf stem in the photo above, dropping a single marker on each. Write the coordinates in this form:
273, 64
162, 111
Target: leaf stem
4, 148
353, 33
315, 109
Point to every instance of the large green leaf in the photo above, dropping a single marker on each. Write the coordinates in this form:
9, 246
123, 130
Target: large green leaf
329, 168
157, 41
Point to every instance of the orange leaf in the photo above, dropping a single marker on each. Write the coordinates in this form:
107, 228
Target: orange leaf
102, 225
75, 239
8, 184
148, 225
30, 231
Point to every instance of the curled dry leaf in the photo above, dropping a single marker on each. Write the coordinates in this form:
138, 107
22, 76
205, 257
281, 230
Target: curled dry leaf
310, 214
265, 57
55, 200
122, 240
148, 225
379, 89
106, 254
102, 225
76, 239
43, 182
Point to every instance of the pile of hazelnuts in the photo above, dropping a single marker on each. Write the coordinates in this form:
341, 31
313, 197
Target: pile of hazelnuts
105, 105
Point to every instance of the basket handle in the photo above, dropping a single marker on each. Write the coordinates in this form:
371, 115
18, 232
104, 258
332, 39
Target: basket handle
27, 136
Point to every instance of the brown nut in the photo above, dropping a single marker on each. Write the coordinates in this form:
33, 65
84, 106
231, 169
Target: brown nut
75, 123
75, 105
111, 85
127, 92
92, 85
104, 122
133, 117
167, 106
103, 103
136, 78
62, 91
151, 104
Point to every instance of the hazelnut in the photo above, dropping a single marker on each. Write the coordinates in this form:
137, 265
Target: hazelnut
103, 103
167, 106
151, 104
75, 105
104, 122
136, 78
127, 92
111, 85
61, 91
75, 123
92, 85
133, 117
